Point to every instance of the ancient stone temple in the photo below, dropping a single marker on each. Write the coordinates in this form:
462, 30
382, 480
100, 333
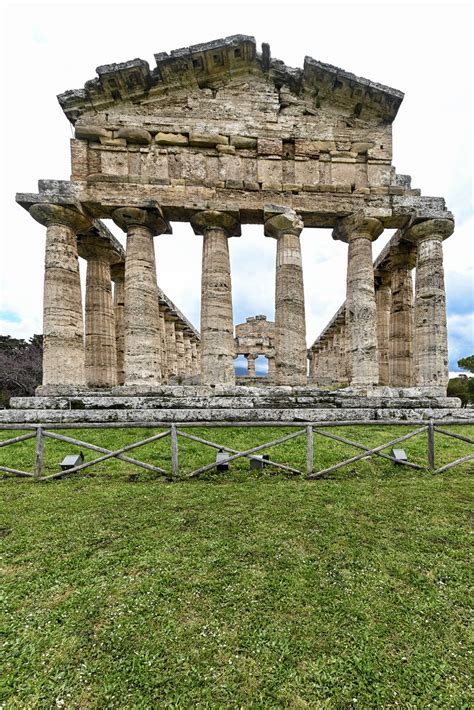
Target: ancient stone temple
220, 135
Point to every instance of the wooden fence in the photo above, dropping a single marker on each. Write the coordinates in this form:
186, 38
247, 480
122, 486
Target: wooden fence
174, 432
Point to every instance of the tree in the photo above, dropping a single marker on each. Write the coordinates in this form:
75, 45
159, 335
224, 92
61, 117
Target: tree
467, 363
21, 367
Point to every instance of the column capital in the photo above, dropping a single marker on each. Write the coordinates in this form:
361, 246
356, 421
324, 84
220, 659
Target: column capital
48, 214
402, 256
356, 226
117, 272
152, 218
280, 221
91, 246
382, 278
205, 220
431, 229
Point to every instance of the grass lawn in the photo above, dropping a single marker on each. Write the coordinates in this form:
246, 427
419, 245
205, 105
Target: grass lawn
238, 590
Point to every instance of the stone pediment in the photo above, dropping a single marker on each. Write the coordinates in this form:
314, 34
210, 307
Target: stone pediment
210, 70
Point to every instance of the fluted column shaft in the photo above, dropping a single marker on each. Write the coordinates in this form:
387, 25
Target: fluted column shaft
180, 352
290, 325
63, 328
101, 349
164, 348
401, 322
188, 360
271, 367
194, 359
141, 306
217, 328
431, 339
118, 277
172, 355
251, 365
361, 310
383, 301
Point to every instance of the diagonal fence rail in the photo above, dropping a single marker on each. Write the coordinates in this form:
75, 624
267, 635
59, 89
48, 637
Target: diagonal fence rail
174, 432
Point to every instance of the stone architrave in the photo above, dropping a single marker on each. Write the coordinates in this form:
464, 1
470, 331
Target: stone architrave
402, 261
117, 273
100, 340
63, 327
172, 355
285, 226
431, 339
141, 314
361, 311
383, 299
217, 328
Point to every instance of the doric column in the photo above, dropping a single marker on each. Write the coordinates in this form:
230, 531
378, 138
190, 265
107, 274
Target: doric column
188, 359
431, 340
141, 315
383, 301
164, 348
271, 366
180, 351
400, 359
63, 328
217, 328
172, 356
251, 365
117, 272
343, 354
361, 311
290, 328
100, 343
194, 359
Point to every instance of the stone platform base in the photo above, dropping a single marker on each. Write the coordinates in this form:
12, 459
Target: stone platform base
227, 404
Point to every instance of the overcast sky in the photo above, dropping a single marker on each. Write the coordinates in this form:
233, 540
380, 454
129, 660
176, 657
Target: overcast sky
423, 49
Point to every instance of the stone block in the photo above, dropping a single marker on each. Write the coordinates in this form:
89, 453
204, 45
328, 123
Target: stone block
207, 140
243, 142
91, 133
171, 139
307, 172
226, 149
313, 148
344, 173
114, 162
269, 146
133, 134
269, 171
379, 175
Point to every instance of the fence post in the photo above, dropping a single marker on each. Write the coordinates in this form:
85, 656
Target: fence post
309, 449
174, 452
39, 452
431, 446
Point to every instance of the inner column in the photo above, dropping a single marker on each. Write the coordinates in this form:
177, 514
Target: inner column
141, 307
361, 311
290, 328
217, 327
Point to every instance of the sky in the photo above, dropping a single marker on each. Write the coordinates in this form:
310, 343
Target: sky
421, 48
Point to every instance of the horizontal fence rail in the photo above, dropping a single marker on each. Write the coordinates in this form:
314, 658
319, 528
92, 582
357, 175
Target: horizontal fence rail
174, 432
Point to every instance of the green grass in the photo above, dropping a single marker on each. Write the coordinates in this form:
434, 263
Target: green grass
240, 590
